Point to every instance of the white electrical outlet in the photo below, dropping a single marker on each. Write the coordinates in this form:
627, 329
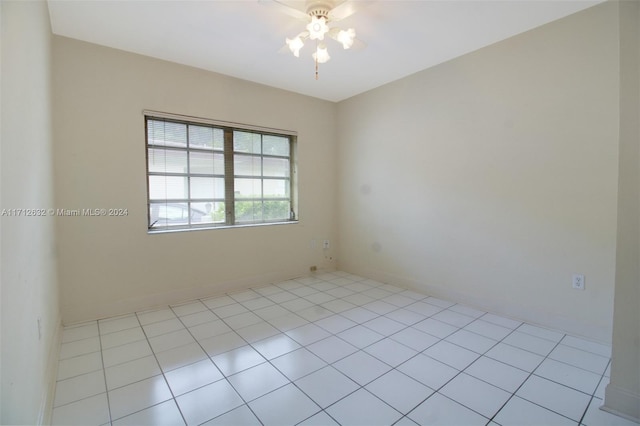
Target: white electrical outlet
325, 244
577, 281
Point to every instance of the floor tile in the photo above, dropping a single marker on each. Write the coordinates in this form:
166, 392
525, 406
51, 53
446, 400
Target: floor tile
452, 355
298, 363
229, 310
515, 357
122, 337
162, 327
307, 334
501, 321
189, 308
362, 408
399, 390
335, 323
218, 302
299, 407
180, 356
258, 331
149, 317
541, 332
124, 353
288, 322
361, 367
530, 343
314, 313
93, 410
208, 402
223, 343
296, 305
237, 360
80, 332
282, 297
275, 346
555, 397
380, 307
579, 358
412, 294
497, 373
138, 396
171, 340
472, 341
111, 325
257, 303
435, 328
398, 300
198, 318
488, 329
568, 375
79, 347
241, 416
257, 381
340, 292
332, 349
384, 326
359, 315
244, 319
326, 386
319, 298
390, 352
192, 376
480, 396
440, 410
360, 336
320, 419
209, 329
467, 310
131, 372
415, 339
438, 302
424, 309
428, 371
79, 387
303, 291
244, 296
453, 318
273, 311
78, 365
520, 412
587, 345
338, 305
358, 299
405, 316
267, 290
164, 414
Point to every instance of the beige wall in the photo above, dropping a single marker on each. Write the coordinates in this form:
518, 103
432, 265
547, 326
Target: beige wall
492, 178
623, 393
111, 265
29, 286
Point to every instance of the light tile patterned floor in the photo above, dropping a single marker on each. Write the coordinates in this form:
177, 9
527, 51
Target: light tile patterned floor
324, 350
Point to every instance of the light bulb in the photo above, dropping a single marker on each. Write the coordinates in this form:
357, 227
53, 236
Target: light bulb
317, 28
295, 45
346, 37
321, 55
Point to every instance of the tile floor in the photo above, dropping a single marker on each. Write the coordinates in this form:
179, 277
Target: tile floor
325, 350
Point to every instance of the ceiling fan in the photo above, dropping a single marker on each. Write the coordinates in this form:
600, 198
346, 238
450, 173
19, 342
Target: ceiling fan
319, 15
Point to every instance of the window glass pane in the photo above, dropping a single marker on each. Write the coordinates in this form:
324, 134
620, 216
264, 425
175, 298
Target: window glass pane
275, 145
169, 214
276, 188
247, 165
167, 187
166, 133
278, 167
276, 210
167, 160
206, 163
248, 188
246, 142
207, 212
248, 211
202, 187
203, 137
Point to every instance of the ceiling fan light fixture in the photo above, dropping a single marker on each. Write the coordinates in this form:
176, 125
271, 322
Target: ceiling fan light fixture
321, 55
317, 28
295, 45
346, 37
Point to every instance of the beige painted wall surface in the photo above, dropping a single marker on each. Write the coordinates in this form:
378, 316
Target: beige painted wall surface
111, 265
29, 286
492, 178
623, 392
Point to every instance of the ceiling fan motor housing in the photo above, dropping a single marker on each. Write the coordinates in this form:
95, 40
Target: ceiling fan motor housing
319, 8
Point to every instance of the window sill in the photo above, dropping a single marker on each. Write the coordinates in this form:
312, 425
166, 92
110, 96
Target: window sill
215, 227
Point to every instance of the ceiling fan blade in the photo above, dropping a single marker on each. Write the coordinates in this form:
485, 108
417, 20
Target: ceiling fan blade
347, 8
286, 9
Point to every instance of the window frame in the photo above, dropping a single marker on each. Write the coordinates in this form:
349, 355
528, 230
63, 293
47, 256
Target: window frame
228, 152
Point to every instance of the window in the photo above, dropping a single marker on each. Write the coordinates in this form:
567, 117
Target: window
203, 174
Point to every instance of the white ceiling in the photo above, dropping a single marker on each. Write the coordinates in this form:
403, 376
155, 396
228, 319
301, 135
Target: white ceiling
241, 38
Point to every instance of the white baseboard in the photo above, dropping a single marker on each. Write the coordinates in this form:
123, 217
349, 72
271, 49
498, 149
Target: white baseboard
51, 374
622, 403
